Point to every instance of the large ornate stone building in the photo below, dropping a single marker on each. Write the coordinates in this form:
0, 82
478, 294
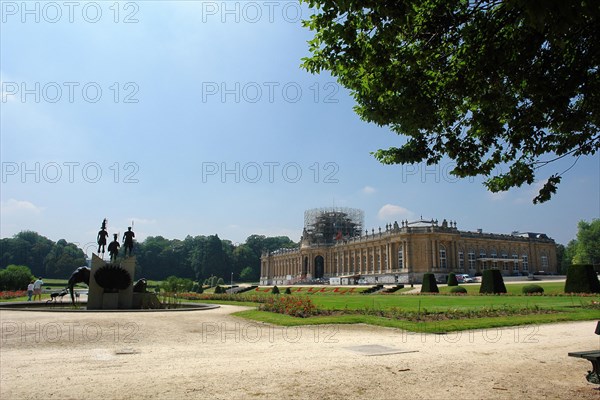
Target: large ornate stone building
402, 253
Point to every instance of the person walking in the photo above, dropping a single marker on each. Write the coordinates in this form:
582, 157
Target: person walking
37, 289
30, 290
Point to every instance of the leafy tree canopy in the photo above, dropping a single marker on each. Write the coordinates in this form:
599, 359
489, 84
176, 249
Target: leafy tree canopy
509, 85
587, 246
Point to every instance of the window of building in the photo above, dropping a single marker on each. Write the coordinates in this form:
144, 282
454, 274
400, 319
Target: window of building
515, 263
525, 262
400, 259
461, 260
443, 263
544, 263
482, 255
494, 265
471, 256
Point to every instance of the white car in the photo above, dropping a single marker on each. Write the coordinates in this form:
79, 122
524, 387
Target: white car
464, 278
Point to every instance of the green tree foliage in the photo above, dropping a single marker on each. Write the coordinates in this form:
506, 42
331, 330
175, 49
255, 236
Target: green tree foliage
492, 282
588, 243
248, 275
63, 259
41, 255
157, 258
15, 277
582, 279
429, 284
174, 284
567, 256
503, 83
583, 250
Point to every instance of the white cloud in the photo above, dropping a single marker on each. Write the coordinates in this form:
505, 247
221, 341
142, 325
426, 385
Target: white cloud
391, 211
19, 207
368, 190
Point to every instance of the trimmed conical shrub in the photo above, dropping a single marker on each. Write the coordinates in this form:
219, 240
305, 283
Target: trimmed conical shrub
275, 290
429, 284
452, 281
288, 291
492, 282
582, 279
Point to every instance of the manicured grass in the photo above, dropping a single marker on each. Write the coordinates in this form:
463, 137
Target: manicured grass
564, 307
442, 302
433, 327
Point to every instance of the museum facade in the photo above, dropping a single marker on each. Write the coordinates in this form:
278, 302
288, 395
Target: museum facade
403, 253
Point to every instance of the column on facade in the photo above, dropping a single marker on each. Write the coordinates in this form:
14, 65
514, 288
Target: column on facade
436, 254
387, 257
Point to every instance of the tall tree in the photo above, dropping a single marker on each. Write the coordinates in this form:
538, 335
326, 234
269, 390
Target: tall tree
587, 250
214, 260
500, 83
63, 259
26, 248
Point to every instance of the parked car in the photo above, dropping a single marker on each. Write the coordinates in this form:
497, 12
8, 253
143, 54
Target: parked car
464, 278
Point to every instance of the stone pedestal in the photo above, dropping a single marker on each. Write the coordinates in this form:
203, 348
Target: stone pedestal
98, 300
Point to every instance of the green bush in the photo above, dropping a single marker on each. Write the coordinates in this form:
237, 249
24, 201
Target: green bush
15, 277
174, 284
458, 289
197, 288
219, 290
288, 291
531, 289
582, 279
429, 284
275, 290
492, 282
452, 281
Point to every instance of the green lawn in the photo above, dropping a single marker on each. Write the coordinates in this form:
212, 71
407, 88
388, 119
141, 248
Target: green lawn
434, 326
565, 308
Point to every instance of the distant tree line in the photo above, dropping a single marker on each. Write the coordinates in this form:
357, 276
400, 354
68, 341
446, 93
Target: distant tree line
196, 258
201, 257
43, 256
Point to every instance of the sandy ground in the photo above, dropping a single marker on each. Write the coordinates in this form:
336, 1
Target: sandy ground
211, 354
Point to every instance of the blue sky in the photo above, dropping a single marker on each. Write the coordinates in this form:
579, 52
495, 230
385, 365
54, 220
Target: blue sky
191, 117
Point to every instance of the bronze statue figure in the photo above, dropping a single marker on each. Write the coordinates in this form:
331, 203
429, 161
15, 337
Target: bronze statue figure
102, 235
80, 275
128, 241
113, 248
140, 286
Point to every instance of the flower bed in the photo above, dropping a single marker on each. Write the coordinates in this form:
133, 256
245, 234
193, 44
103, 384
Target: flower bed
290, 305
11, 294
